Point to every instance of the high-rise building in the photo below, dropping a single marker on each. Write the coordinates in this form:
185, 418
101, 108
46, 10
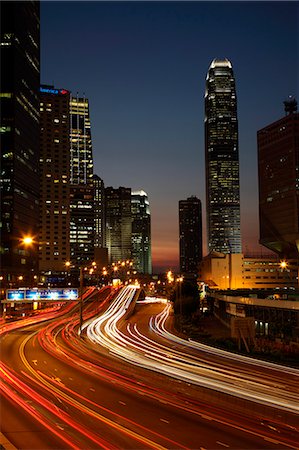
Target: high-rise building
99, 212
19, 96
81, 183
190, 229
278, 168
118, 223
222, 159
141, 232
54, 248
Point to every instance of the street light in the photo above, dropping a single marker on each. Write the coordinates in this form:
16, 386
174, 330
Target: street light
179, 281
27, 240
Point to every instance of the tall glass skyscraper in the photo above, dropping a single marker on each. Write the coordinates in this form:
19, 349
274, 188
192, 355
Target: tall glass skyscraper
81, 183
141, 232
19, 103
190, 229
118, 223
222, 159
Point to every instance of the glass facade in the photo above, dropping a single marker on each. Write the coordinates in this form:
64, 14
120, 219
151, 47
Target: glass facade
118, 223
222, 159
81, 183
141, 232
99, 212
19, 102
190, 229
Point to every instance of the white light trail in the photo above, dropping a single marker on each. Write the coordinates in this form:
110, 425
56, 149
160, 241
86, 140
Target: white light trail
140, 350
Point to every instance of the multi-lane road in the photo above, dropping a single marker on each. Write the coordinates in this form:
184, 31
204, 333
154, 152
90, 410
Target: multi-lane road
129, 383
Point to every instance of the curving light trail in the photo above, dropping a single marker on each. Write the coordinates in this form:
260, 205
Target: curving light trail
138, 349
40, 390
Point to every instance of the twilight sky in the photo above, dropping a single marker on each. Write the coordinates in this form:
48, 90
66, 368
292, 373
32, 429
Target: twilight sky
142, 65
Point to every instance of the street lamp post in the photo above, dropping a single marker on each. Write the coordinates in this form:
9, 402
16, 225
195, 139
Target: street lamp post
179, 280
81, 301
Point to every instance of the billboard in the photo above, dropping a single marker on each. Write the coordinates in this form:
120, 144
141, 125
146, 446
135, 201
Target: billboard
42, 294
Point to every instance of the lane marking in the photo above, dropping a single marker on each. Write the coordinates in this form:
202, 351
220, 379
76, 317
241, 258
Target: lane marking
92, 389
34, 362
222, 443
122, 403
164, 420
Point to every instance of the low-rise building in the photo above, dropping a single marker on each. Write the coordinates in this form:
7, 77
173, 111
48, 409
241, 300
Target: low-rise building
237, 271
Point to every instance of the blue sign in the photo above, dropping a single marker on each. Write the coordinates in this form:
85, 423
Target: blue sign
15, 294
42, 294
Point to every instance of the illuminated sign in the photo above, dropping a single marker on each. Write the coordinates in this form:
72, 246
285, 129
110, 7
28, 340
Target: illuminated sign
41, 294
53, 91
15, 294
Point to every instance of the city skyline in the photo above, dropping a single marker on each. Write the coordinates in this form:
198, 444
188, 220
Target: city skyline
143, 68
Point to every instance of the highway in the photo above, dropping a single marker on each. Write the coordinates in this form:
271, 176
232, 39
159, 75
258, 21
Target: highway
129, 383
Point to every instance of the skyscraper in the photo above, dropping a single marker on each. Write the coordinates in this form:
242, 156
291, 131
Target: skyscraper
222, 159
99, 212
54, 240
190, 229
81, 183
278, 166
19, 96
141, 232
118, 223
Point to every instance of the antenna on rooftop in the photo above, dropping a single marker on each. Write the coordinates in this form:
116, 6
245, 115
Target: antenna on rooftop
290, 105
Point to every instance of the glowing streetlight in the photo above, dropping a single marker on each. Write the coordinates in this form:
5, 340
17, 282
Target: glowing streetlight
67, 263
27, 240
283, 264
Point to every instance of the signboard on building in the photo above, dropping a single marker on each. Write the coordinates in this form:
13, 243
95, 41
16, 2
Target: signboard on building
41, 294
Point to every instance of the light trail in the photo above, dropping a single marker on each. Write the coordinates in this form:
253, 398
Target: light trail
48, 339
140, 350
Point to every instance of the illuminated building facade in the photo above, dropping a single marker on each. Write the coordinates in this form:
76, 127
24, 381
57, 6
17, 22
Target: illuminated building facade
81, 183
54, 249
99, 212
190, 229
141, 232
238, 271
278, 164
222, 159
118, 223
19, 97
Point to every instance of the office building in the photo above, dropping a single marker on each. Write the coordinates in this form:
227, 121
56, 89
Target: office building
238, 271
222, 159
118, 223
278, 166
141, 232
81, 183
190, 229
54, 248
99, 212
19, 97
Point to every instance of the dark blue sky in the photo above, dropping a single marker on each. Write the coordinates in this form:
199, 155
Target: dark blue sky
143, 65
